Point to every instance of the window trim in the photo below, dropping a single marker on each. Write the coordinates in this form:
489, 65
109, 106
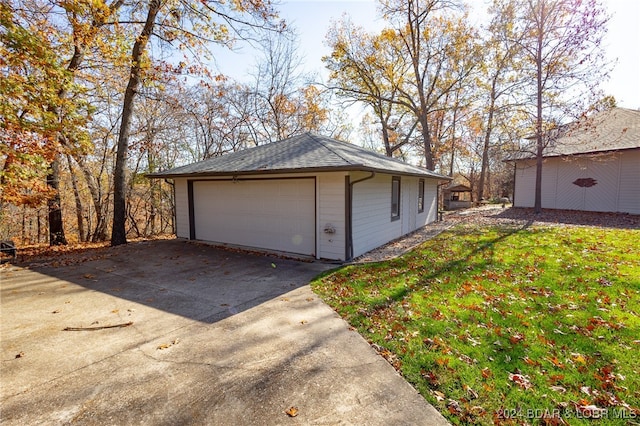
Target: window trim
421, 196
395, 213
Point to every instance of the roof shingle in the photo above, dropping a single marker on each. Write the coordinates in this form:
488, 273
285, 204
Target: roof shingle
612, 130
302, 153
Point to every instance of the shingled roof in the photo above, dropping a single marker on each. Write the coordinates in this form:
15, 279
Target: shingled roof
612, 130
307, 152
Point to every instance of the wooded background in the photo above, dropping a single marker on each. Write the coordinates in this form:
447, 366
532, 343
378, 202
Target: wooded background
95, 94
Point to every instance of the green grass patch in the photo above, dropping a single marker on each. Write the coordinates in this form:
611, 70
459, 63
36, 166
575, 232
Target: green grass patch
507, 326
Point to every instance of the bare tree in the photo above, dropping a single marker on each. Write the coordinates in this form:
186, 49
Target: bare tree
561, 47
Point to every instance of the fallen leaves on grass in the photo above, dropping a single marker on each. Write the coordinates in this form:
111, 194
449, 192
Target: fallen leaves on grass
477, 309
559, 389
521, 380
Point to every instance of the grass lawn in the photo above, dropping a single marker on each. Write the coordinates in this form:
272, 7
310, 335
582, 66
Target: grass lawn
507, 325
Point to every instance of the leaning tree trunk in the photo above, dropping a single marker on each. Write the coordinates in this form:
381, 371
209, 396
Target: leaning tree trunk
119, 232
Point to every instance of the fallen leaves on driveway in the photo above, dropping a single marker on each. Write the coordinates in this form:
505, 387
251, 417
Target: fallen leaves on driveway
292, 411
168, 345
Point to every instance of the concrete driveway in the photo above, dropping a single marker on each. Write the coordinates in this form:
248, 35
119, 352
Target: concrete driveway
171, 332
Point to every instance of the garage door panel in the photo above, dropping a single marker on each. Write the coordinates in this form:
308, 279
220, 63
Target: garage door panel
276, 214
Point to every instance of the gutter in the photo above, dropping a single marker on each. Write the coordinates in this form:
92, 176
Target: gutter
427, 174
349, 213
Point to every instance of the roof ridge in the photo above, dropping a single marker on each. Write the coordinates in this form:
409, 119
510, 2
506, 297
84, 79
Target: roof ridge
321, 142
369, 151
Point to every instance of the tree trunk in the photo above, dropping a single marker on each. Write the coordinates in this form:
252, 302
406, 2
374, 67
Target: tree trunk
56, 227
426, 138
119, 232
485, 148
76, 196
153, 193
100, 231
537, 206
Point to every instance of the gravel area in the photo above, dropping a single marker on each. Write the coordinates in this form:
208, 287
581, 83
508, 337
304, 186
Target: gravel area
496, 215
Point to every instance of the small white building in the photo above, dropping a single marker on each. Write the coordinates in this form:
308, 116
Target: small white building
594, 166
307, 194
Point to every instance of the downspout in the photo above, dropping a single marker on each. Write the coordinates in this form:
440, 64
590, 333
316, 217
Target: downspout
350, 214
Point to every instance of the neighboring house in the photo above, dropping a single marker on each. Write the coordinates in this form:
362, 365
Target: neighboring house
307, 194
457, 197
593, 165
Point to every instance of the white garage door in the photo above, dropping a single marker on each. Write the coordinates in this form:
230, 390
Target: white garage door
275, 214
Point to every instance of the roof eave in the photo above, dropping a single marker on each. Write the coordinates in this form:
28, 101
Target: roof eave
345, 168
601, 151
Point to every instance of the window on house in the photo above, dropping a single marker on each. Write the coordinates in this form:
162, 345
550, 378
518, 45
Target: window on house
421, 196
395, 198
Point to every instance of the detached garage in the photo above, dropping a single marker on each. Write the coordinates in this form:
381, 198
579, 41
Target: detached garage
307, 195
592, 165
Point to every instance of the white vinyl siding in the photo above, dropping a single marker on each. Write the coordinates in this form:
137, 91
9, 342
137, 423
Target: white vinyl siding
371, 208
331, 212
409, 202
617, 188
182, 208
274, 214
430, 213
372, 226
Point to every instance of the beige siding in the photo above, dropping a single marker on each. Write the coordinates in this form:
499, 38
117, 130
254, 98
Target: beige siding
617, 188
629, 182
568, 195
603, 197
331, 213
525, 184
182, 208
549, 188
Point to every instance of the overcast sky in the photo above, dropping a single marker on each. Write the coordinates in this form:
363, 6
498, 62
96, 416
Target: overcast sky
312, 19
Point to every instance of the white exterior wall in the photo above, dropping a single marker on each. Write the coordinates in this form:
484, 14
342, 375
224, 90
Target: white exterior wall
430, 213
182, 208
617, 188
371, 210
372, 225
331, 211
